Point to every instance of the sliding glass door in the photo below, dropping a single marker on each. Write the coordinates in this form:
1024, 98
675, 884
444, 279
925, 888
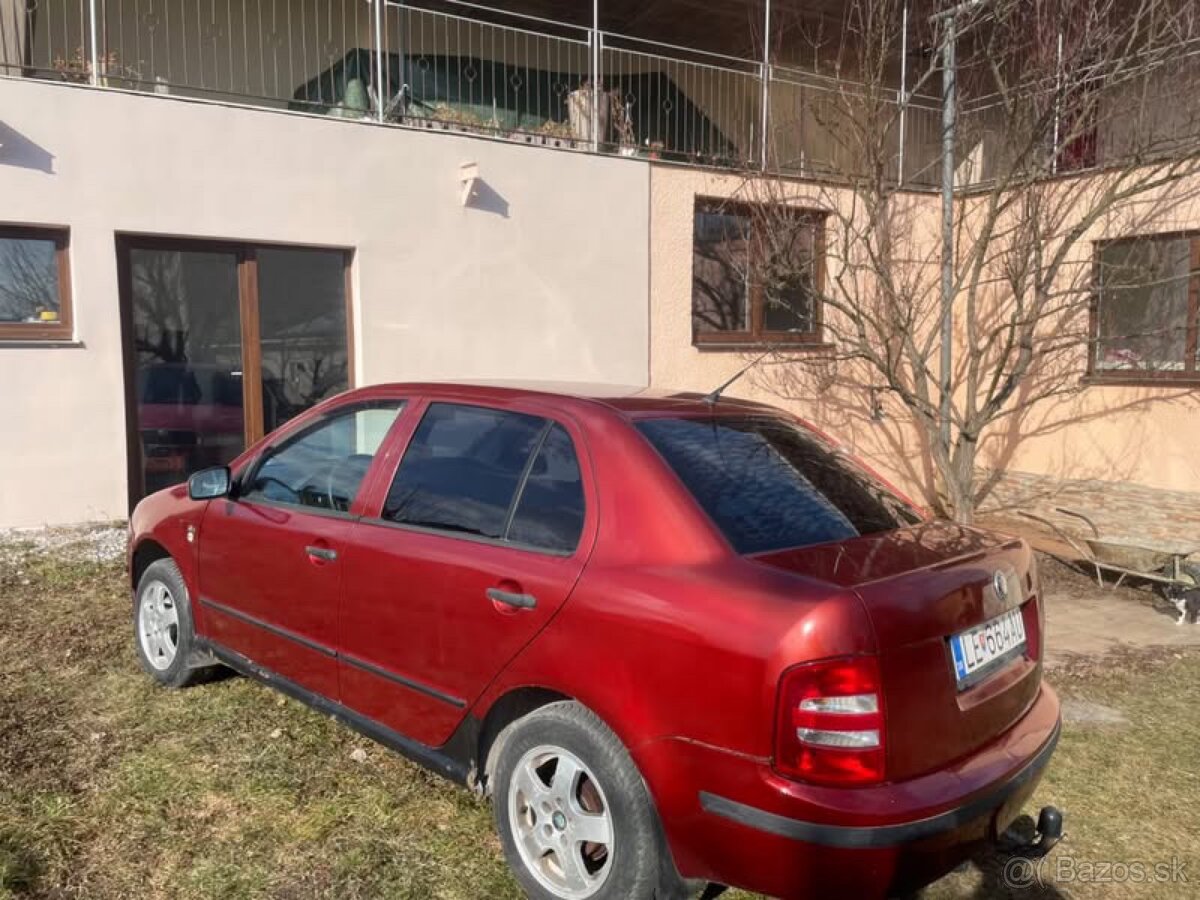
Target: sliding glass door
223, 343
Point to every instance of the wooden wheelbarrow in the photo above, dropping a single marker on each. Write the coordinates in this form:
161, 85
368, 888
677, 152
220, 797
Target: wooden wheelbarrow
1125, 559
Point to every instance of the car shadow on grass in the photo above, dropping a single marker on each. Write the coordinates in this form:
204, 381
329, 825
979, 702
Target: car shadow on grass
995, 872
1006, 877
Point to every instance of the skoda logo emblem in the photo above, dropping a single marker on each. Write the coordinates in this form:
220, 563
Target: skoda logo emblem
1000, 585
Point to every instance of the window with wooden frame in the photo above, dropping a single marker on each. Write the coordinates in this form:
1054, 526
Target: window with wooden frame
757, 274
1146, 309
35, 284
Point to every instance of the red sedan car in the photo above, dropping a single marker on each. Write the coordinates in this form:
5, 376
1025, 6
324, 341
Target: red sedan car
677, 640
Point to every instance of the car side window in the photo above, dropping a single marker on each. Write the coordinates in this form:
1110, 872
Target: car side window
462, 469
324, 466
549, 513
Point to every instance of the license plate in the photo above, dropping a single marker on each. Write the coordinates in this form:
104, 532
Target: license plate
985, 647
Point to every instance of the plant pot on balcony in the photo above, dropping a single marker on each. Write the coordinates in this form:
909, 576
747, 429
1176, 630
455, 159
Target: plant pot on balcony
579, 114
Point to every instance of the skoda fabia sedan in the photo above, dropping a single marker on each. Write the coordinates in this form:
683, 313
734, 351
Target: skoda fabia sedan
677, 640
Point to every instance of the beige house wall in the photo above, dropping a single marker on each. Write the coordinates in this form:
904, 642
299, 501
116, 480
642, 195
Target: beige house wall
1147, 435
544, 276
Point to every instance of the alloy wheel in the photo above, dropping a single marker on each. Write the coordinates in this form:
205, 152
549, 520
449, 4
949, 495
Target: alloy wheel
158, 625
561, 821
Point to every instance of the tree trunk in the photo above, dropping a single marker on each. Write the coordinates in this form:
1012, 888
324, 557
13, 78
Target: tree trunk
959, 477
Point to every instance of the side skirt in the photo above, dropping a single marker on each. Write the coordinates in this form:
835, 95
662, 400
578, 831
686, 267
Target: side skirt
450, 761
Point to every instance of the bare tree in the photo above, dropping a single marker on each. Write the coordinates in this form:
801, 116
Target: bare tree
1076, 121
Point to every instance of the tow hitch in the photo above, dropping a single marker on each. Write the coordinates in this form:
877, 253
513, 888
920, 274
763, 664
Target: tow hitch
1018, 840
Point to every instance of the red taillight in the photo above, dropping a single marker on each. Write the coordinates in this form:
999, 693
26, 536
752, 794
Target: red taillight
830, 723
1031, 615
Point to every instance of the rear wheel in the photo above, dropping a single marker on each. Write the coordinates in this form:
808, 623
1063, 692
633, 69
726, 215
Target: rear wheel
574, 816
162, 622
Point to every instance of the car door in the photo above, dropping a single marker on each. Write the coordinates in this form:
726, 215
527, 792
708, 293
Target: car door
480, 539
270, 557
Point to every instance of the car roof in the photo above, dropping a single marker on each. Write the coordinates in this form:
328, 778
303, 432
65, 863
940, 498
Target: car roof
632, 400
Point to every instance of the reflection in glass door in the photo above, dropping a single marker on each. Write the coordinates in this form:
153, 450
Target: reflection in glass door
302, 329
223, 344
188, 356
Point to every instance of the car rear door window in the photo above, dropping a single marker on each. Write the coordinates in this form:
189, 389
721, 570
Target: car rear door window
549, 513
323, 467
462, 469
491, 473
769, 485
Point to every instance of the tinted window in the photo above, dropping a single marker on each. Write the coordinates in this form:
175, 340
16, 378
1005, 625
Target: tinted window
324, 467
770, 485
550, 511
462, 469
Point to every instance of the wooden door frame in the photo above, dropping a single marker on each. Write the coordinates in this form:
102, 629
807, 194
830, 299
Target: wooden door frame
245, 253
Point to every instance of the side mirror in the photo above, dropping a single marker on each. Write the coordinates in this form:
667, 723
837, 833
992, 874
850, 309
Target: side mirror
208, 484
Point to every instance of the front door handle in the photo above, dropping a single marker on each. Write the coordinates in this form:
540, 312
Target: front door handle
328, 554
508, 598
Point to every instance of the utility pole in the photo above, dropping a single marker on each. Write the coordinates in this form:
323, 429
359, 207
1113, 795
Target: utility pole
949, 98
764, 119
949, 20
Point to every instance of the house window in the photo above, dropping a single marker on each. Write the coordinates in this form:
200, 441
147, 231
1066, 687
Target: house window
1146, 309
757, 274
35, 294
1076, 133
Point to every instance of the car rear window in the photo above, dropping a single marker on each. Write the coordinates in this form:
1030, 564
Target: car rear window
770, 485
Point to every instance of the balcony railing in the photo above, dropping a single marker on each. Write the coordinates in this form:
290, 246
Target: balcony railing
518, 77
503, 74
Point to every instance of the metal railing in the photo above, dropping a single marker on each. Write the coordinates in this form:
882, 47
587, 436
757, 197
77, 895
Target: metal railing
701, 108
528, 80
47, 39
479, 70
825, 127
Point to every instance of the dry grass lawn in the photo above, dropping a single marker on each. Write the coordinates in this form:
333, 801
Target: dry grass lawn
112, 788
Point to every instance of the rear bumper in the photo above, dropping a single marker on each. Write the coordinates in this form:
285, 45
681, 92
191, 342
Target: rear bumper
743, 825
874, 836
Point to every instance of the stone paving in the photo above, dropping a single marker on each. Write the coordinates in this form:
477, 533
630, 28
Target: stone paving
1083, 618
1090, 621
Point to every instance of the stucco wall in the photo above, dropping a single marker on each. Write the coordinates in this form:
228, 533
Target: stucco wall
544, 277
1144, 435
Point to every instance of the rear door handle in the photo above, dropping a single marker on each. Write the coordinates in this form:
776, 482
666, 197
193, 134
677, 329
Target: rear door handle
326, 553
508, 598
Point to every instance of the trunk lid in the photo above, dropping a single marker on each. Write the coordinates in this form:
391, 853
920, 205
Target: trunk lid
920, 586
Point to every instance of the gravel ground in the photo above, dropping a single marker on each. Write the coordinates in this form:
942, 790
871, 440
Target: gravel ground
103, 543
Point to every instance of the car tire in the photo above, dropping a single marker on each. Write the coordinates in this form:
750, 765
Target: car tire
162, 628
543, 817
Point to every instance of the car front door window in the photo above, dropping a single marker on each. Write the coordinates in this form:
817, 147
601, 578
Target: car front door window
324, 466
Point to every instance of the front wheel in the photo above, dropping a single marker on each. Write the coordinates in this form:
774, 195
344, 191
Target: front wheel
574, 816
162, 622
